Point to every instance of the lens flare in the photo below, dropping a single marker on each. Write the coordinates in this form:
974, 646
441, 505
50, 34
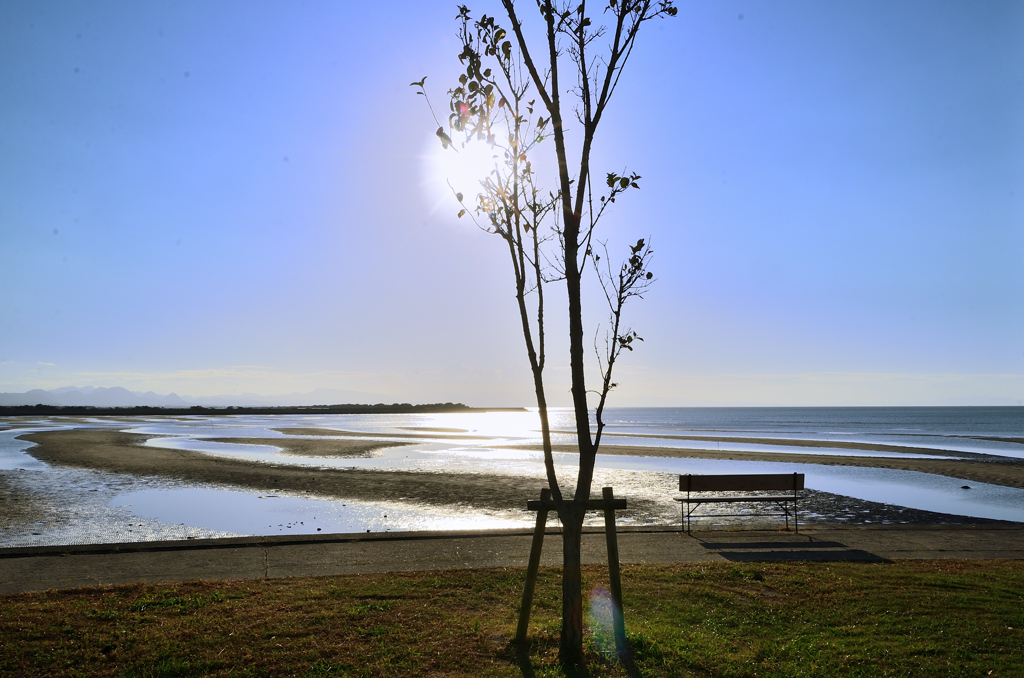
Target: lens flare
459, 169
602, 614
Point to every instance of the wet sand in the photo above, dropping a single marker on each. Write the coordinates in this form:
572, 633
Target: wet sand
323, 432
996, 439
1005, 471
304, 447
797, 442
18, 507
121, 452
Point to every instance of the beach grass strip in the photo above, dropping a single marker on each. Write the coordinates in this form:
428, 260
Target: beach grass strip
909, 618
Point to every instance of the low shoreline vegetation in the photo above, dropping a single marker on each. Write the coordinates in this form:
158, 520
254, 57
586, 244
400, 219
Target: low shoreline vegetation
151, 410
908, 618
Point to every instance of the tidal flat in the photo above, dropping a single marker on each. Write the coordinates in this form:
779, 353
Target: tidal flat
132, 479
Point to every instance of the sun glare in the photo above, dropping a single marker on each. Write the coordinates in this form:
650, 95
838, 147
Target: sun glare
457, 169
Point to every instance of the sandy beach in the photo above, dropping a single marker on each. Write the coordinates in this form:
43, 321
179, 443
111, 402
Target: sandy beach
303, 447
1004, 471
120, 452
19, 507
97, 487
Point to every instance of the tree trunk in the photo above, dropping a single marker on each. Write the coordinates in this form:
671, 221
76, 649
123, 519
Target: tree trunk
571, 640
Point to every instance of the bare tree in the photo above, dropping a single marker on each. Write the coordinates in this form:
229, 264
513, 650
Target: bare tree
512, 98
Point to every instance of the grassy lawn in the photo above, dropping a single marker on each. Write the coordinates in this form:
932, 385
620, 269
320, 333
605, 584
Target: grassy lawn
934, 618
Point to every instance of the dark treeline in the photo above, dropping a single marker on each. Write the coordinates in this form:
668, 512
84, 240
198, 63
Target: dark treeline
379, 408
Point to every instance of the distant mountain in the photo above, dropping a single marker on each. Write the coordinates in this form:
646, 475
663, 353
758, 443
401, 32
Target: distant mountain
34, 397
74, 389
70, 396
89, 396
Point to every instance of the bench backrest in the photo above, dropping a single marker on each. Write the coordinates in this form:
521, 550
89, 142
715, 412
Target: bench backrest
739, 482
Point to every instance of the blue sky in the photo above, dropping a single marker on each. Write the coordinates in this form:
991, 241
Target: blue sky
231, 197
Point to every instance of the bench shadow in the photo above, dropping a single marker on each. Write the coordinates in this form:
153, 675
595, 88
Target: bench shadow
797, 549
847, 555
809, 543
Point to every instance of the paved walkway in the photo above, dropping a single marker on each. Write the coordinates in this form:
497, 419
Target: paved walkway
39, 568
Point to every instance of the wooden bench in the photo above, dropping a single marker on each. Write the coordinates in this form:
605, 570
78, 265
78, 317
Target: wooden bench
786, 487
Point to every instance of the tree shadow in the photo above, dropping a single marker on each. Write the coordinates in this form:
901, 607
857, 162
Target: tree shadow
521, 655
629, 664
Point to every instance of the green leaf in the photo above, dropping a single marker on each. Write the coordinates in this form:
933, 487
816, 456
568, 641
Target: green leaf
418, 84
445, 139
458, 196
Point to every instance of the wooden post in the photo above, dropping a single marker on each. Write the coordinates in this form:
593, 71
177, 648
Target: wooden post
609, 504
531, 570
615, 581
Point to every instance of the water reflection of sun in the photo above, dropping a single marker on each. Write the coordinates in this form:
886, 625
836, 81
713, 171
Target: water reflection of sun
506, 425
516, 424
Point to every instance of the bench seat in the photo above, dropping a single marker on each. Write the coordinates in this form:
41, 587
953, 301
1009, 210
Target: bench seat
709, 500
787, 487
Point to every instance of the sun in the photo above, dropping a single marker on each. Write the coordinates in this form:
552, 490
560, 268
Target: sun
460, 168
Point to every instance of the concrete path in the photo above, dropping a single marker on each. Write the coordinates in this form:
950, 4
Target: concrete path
40, 568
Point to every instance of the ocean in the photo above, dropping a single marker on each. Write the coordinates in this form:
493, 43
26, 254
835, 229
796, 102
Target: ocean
886, 421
